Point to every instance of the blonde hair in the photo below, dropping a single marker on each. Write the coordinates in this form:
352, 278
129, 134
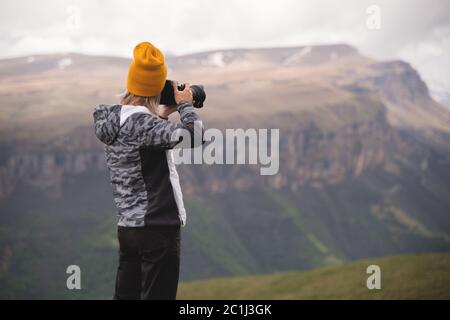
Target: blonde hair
151, 103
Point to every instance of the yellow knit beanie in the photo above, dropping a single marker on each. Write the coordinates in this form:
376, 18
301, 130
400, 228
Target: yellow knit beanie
147, 73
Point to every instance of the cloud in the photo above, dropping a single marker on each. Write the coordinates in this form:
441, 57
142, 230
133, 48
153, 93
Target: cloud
415, 30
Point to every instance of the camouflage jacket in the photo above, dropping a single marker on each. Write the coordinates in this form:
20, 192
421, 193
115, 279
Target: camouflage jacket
145, 182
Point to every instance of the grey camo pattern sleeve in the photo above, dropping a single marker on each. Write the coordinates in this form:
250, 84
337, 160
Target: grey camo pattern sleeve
106, 122
156, 132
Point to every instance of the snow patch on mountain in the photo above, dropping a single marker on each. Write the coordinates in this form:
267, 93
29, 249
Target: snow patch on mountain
64, 63
298, 56
216, 59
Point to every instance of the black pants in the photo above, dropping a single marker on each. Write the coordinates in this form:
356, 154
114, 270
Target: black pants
149, 263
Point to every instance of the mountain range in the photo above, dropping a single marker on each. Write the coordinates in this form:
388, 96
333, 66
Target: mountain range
364, 166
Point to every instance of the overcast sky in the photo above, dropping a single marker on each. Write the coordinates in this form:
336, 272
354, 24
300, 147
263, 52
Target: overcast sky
415, 30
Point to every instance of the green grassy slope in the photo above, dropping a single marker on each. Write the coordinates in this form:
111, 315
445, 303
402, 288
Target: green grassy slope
425, 276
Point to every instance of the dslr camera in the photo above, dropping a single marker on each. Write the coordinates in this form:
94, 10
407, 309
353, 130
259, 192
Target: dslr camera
168, 97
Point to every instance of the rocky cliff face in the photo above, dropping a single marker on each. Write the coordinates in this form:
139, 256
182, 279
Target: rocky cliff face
397, 82
308, 154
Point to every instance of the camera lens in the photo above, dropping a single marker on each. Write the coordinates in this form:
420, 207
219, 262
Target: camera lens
198, 95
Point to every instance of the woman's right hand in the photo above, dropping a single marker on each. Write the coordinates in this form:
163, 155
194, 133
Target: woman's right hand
182, 96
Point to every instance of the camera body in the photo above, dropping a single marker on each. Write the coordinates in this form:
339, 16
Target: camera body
168, 97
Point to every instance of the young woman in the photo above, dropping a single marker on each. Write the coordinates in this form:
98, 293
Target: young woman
138, 138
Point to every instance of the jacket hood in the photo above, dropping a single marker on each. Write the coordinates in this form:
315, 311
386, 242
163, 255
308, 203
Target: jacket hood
107, 123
